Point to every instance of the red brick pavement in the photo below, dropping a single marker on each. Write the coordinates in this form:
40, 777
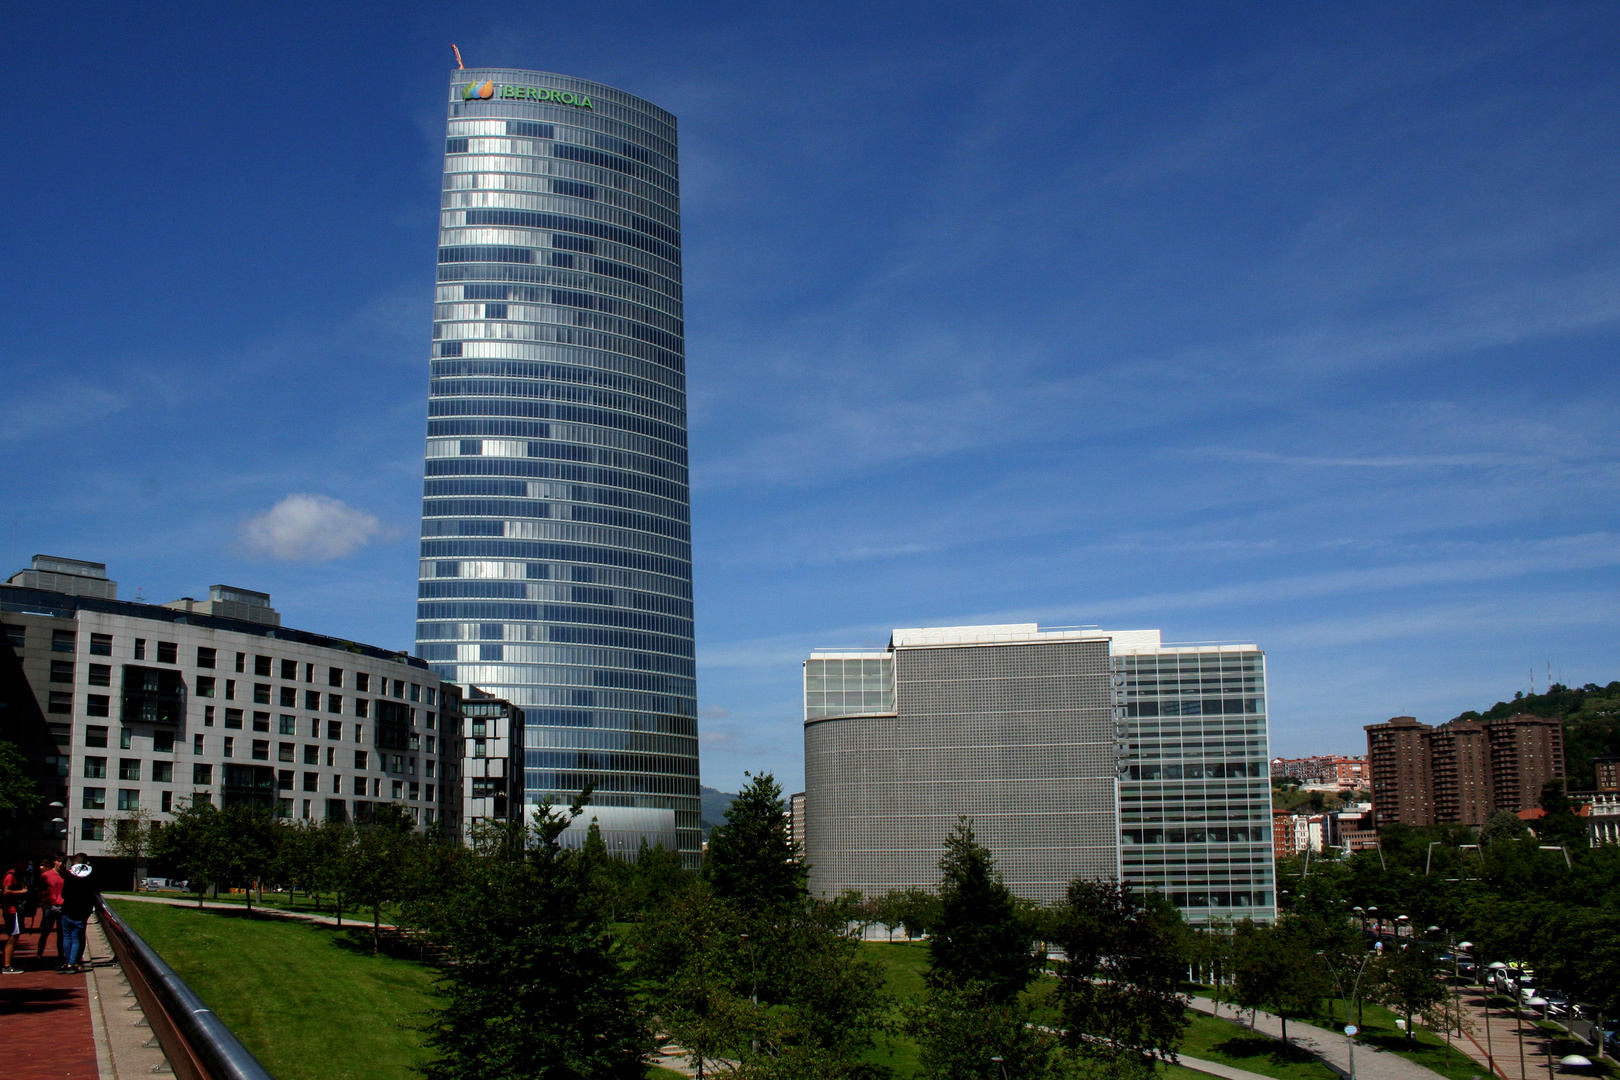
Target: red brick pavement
45, 1029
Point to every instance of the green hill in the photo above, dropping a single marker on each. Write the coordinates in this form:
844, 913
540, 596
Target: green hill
1591, 716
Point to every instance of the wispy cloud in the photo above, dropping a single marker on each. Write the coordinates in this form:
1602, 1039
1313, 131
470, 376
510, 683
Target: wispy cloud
309, 528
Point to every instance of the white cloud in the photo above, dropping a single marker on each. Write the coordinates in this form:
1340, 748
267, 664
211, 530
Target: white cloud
309, 528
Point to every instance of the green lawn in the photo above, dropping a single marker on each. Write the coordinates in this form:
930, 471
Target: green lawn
1228, 1043
309, 1002
903, 964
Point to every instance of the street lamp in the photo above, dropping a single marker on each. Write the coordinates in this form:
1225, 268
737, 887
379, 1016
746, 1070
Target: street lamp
1001, 1065
753, 988
1350, 1030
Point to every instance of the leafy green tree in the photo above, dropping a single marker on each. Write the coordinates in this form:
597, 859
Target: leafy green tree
657, 878
133, 835
534, 989
19, 794
978, 936
1407, 979
245, 848
750, 860
1119, 993
1503, 825
1560, 825
192, 843
1277, 968
961, 1029
379, 860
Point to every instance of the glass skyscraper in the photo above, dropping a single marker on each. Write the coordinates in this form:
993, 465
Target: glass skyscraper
556, 545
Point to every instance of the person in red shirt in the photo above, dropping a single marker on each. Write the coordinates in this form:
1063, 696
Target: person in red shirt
50, 902
13, 891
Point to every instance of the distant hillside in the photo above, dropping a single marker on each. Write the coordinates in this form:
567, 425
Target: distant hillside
1591, 716
714, 807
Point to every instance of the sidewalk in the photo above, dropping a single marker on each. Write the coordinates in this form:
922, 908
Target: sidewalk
1496, 1034
1371, 1062
266, 912
49, 1034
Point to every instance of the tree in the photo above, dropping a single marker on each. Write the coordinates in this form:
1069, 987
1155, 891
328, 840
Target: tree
656, 878
534, 987
19, 794
1118, 994
1560, 825
1503, 825
245, 848
750, 860
133, 836
377, 862
1276, 968
191, 842
1407, 979
959, 1029
978, 936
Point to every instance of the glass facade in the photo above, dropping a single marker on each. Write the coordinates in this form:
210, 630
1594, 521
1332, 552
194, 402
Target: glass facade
1195, 783
556, 546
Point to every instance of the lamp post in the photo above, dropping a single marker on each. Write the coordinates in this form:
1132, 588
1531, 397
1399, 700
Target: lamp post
1001, 1065
1518, 1016
1539, 1002
753, 989
1361, 914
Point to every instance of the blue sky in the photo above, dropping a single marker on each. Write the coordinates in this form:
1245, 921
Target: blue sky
1285, 323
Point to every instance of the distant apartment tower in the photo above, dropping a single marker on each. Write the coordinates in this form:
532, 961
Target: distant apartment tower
1462, 771
1077, 753
124, 707
556, 557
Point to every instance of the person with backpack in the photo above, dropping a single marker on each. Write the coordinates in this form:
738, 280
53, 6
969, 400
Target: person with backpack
13, 893
78, 900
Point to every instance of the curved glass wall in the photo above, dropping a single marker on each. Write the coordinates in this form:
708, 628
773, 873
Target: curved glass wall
556, 546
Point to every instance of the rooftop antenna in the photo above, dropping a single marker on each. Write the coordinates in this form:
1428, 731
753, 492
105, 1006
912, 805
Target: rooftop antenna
459, 65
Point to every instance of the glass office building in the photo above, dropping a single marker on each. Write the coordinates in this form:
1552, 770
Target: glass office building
1077, 752
556, 547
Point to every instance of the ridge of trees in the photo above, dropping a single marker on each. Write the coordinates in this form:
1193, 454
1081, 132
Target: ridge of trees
1591, 719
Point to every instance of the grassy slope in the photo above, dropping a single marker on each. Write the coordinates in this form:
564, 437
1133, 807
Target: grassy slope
1228, 1043
309, 1003
306, 1000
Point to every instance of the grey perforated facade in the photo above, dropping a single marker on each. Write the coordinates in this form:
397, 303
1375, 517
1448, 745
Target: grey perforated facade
1018, 736
1077, 753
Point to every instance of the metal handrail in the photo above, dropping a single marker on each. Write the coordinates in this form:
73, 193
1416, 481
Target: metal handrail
197, 1043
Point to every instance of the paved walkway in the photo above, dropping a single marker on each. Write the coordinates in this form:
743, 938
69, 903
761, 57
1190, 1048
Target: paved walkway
1496, 1035
268, 912
1371, 1062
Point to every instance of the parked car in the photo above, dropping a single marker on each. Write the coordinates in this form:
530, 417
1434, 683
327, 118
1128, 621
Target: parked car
1557, 1002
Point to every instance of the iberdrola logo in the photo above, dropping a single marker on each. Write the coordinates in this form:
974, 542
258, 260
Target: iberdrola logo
474, 90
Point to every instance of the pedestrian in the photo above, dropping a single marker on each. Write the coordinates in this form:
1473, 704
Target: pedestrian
50, 903
13, 892
78, 900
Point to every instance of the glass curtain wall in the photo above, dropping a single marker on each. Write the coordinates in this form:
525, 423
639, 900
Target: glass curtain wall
556, 547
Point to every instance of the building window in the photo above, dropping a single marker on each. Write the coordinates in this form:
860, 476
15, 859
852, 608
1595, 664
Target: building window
360, 757
261, 665
208, 716
93, 736
289, 671
360, 707
202, 775
97, 705
99, 675
334, 730
359, 785
312, 700
334, 676
362, 682
233, 719
230, 689
284, 809
331, 755
129, 799
397, 790
416, 692
129, 768
63, 640
427, 767
166, 805
337, 784
196, 744
163, 772
334, 703
289, 698
100, 644
229, 747
205, 686
284, 752
416, 791
95, 767
430, 798
60, 702
163, 742
261, 750
430, 695
261, 693
140, 648
168, 652
480, 748
91, 829
430, 721
205, 657
241, 662
312, 781
284, 780
312, 755
261, 721
359, 732
399, 688
480, 727
62, 671
95, 798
